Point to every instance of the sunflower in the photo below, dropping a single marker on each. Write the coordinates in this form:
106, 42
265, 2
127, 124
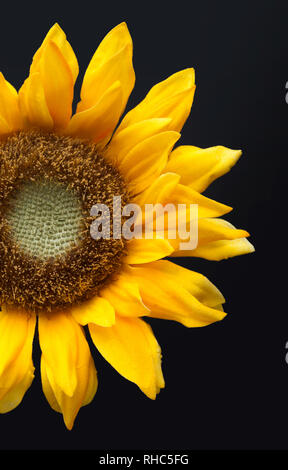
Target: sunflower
54, 166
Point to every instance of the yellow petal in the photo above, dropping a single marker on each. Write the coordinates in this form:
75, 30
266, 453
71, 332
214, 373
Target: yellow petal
47, 389
59, 338
200, 167
122, 142
54, 70
217, 239
175, 293
33, 103
125, 297
97, 310
4, 127
57, 35
9, 106
144, 163
68, 373
16, 367
171, 98
212, 229
220, 249
131, 348
112, 62
97, 123
58, 84
13, 397
159, 191
84, 393
206, 207
145, 250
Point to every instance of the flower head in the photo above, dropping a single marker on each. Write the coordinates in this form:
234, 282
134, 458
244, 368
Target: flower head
54, 168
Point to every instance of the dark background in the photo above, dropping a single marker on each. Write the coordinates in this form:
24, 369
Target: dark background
226, 384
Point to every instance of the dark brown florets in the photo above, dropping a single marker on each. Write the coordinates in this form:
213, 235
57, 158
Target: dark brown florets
34, 283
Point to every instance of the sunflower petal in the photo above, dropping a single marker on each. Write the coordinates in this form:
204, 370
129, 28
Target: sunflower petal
122, 142
220, 249
58, 84
171, 98
97, 310
33, 105
16, 367
68, 373
200, 167
217, 239
85, 392
131, 348
125, 297
97, 123
59, 338
194, 302
4, 127
144, 163
112, 62
159, 191
9, 106
145, 251
206, 207
57, 35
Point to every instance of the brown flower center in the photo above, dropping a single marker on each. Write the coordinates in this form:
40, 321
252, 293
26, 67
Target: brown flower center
48, 184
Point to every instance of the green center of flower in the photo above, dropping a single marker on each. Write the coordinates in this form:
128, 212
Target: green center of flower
45, 219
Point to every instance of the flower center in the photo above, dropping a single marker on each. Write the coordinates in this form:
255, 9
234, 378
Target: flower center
48, 185
45, 219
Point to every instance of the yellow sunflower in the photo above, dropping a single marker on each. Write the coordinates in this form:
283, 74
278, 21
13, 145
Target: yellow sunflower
54, 166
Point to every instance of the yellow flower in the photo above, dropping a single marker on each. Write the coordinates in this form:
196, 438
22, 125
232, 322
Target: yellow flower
53, 167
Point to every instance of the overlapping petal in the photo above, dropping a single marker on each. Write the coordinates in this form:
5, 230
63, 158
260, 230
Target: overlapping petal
194, 301
16, 367
200, 167
97, 310
52, 76
145, 162
10, 117
220, 249
112, 62
145, 251
131, 348
69, 377
107, 84
98, 122
217, 239
172, 98
125, 297
124, 141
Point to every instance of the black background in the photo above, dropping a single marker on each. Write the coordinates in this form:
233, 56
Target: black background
226, 384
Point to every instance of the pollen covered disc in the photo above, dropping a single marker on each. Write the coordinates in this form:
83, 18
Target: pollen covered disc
45, 219
48, 185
